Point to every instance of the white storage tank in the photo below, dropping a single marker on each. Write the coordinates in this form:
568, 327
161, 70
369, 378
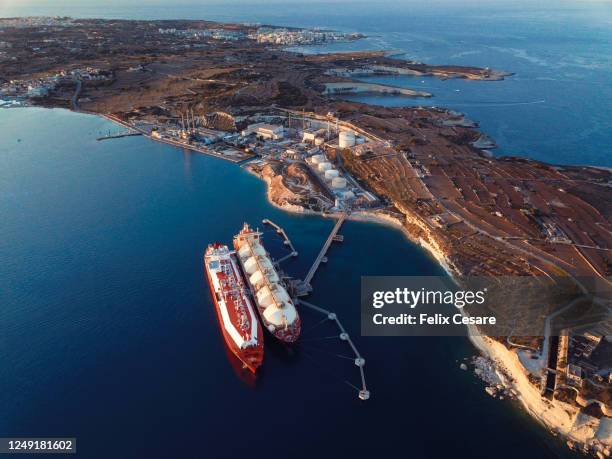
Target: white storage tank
346, 139
348, 195
339, 182
316, 159
324, 166
331, 174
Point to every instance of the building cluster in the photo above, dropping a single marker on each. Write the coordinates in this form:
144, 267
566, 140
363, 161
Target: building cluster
551, 231
4, 47
35, 21
217, 34
316, 144
264, 131
583, 361
585, 369
281, 36
190, 131
41, 87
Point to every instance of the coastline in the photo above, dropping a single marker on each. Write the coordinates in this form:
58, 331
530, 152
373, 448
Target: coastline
555, 416
363, 216
581, 431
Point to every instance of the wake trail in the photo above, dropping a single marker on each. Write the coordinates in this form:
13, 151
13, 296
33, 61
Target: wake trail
496, 104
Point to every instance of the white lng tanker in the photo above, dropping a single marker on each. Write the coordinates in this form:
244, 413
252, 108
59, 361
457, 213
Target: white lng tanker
275, 307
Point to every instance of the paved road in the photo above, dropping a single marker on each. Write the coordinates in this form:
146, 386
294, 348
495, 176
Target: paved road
75, 96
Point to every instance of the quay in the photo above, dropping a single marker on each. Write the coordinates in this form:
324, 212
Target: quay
172, 142
118, 136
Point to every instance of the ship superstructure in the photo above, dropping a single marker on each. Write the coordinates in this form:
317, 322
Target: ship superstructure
237, 317
276, 309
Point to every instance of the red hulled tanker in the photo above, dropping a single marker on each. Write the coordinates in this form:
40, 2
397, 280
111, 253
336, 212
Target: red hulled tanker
237, 317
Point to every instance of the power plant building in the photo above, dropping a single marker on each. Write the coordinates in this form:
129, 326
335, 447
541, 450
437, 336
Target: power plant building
265, 131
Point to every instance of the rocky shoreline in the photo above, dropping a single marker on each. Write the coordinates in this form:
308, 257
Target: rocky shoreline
582, 432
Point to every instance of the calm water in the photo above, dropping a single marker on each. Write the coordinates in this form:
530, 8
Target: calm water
107, 330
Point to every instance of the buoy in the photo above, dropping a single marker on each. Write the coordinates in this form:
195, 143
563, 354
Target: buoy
331, 316
344, 336
364, 394
359, 361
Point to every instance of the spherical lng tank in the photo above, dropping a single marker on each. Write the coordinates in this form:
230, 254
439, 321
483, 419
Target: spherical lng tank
346, 139
324, 166
339, 182
331, 174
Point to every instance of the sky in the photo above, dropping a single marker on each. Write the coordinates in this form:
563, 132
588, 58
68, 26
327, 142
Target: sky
143, 3
156, 9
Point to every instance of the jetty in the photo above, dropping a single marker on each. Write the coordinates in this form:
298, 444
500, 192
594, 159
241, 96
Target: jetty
303, 288
359, 361
118, 136
321, 257
282, 232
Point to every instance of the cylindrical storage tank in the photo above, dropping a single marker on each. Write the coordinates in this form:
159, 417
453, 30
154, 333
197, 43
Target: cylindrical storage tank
331, 174
348, 195
346, 139
316, 159
324, 166
339, 182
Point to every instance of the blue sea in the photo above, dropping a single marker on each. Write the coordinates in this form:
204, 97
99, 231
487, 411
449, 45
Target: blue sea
107, 329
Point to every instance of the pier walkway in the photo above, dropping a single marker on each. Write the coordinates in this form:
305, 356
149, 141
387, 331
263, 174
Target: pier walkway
333, 236
118, 136
364, 393
287, 241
